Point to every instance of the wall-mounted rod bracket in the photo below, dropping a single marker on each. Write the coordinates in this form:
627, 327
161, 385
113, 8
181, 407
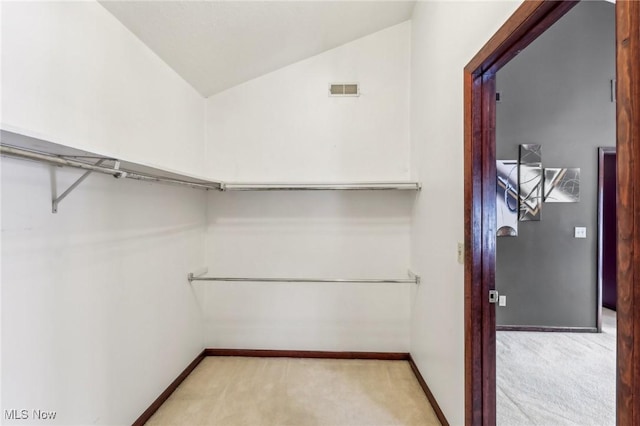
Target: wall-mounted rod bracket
56, 201
414, 276
197, 273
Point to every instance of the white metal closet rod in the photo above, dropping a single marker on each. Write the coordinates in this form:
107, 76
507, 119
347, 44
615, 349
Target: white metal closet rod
413, 280
61, 161
375, 186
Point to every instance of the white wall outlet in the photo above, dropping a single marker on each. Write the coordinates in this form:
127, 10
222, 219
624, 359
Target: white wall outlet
461, 253
580, 232
502, 300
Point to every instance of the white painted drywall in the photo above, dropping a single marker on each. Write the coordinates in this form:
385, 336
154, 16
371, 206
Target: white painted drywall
1, 342
216, 45
284, 127
445, 36
315, 235
73, 74
97, 315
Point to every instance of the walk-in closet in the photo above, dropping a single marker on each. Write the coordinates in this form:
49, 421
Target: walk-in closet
226, 187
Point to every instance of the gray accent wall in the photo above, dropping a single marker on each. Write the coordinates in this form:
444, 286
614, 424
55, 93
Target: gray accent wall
556, 93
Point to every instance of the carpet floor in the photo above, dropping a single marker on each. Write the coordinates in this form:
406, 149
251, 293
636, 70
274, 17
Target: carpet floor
230, 391
557, 379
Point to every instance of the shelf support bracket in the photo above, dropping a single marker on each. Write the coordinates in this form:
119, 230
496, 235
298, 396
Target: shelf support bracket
56, 201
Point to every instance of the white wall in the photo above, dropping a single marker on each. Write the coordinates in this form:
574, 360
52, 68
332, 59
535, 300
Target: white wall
445, 36
284, 127
73, 74
315, 235
97, 317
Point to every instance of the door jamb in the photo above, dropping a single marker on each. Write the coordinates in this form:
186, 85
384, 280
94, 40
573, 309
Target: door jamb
602, 152
628, 214
530, 20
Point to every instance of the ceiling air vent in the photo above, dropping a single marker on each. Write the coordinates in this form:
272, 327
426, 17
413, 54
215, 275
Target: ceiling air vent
344, 89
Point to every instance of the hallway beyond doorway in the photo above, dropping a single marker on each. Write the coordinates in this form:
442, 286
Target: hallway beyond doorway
547, 378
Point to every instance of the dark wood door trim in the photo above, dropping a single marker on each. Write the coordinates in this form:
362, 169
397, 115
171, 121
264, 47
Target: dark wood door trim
628, 210
530, 20
475, 290
603, 151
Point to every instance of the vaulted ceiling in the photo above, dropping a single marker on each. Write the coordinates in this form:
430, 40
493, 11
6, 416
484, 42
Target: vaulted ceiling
215, 45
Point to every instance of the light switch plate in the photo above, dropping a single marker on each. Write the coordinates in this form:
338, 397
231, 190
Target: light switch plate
502, 300
580, 232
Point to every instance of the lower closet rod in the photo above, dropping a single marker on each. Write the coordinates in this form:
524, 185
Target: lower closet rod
413, 280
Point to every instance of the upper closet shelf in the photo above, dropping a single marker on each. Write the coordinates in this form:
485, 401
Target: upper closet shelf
29, 148
17, 145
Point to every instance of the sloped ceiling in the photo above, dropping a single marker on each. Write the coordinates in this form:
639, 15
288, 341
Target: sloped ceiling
215, 45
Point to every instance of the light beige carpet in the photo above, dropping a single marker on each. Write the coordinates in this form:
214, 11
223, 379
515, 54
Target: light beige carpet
557, 379
234, 391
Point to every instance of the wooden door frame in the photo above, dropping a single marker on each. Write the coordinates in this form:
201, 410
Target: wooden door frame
530, 20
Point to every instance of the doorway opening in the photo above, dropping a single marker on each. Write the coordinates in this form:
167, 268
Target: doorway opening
524, 26
552, 364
